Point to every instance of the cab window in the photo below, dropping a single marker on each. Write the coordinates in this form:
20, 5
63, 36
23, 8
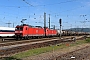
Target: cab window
19, 28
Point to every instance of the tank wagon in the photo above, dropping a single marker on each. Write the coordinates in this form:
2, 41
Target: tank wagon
25, 31
71, 33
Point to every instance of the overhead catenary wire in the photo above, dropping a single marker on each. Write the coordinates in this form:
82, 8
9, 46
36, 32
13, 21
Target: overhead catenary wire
28, 3
57, 3
44, 5
48, 4
40, 5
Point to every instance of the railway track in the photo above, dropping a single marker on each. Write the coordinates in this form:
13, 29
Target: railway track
4, 51
80, 54
33, 40
23, 41
22, 46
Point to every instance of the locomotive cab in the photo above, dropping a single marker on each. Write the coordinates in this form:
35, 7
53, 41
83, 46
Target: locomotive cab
18, 31
21, 31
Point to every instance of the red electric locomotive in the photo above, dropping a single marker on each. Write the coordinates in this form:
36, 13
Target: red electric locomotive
26, 31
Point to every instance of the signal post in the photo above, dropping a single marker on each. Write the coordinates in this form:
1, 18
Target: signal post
60, 21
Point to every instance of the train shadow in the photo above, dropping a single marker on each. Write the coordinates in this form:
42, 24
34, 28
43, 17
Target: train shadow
7, 39
9, 58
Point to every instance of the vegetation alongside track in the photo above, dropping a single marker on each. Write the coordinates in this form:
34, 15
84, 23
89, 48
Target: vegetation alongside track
48, 49
88, 40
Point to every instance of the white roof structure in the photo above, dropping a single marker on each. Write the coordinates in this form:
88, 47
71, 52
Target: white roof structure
6, 28
6, 31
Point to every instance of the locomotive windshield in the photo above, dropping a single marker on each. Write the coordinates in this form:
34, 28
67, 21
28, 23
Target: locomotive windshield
19, 28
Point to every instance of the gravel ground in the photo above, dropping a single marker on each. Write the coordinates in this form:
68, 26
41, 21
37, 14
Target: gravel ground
53, 54
87, 58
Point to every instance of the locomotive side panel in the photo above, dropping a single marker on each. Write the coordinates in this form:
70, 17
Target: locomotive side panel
47, 32
30, 31
25, 31
40, 31
54, 32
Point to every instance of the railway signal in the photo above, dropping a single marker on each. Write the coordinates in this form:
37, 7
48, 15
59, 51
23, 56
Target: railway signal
60, 21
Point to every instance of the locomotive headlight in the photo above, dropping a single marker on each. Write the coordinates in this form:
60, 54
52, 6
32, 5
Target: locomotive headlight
16, 31
20, 31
